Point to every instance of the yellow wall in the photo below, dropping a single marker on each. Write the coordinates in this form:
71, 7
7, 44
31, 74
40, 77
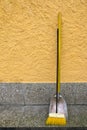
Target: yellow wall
28, 40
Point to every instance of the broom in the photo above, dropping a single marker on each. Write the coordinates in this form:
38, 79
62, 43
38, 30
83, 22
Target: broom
58, 108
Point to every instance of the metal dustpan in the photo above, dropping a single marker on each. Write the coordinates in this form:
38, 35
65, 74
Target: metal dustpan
60, 106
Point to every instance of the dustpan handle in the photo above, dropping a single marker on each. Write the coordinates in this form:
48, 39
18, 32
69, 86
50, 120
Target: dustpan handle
58, 50
58, 61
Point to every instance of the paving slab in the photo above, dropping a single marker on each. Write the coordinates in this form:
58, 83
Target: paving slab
34, 116
10, 115
36, 93
77, 115
11, 93
81, 93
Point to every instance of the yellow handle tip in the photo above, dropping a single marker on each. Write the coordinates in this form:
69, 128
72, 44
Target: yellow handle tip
59, 14
59, 19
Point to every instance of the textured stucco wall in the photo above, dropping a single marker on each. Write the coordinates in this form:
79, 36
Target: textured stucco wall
28, 40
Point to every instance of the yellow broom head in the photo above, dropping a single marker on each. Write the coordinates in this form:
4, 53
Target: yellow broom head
56, 119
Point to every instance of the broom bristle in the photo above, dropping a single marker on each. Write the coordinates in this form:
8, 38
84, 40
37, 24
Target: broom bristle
55, 121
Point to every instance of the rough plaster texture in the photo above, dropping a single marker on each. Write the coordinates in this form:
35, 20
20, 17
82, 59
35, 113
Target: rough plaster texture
28, 40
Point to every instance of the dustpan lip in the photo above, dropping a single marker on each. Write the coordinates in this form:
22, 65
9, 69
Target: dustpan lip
58, 115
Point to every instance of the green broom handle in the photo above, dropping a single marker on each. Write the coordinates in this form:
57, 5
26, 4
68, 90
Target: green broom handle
59, 47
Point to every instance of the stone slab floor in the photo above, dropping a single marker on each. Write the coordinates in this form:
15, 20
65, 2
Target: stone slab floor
27, 104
